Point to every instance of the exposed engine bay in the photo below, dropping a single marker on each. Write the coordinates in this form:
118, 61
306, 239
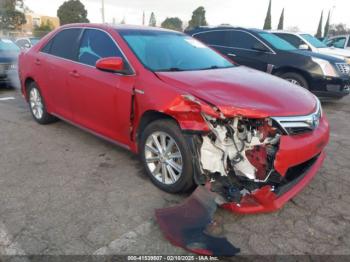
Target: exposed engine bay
237, 156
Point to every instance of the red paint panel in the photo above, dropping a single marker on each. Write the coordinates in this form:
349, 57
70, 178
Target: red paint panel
294, 150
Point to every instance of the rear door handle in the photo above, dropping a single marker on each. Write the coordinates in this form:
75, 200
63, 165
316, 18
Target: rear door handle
74, 73
37, 61
231, 54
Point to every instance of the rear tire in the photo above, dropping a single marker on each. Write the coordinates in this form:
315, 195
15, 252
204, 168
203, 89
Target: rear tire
296, 79
37, 105
166, 156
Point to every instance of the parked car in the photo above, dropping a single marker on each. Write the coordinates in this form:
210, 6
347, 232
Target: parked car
192, 115
8, 63
308, 42
325, 76
340, 41
27, 42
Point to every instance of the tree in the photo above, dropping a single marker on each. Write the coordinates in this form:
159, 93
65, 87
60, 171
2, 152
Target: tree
281, 22
319, 29
43, 29
152, 20
267, 24
11, 4
72, 11
198, 18
326, 27
10, 17
173, 23
338, 29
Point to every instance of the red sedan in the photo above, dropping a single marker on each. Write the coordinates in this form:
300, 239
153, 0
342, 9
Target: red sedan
193, 116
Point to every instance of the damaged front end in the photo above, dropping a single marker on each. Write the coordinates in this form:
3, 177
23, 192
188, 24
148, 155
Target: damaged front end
238, 155
251, 161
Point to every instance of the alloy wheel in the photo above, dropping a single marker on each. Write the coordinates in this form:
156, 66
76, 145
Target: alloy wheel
163, 158
36, 103
294, 81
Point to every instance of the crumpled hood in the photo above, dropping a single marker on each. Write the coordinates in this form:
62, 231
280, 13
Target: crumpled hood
244, 89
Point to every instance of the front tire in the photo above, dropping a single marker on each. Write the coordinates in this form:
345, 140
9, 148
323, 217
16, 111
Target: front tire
166, 156
296, 79
37, 106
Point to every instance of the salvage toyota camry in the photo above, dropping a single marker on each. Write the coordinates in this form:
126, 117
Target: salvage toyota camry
194, 117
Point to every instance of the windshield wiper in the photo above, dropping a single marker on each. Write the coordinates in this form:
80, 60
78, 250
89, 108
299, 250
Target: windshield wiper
215, 67
171, 69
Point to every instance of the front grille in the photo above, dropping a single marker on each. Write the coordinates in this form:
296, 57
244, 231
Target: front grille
295, 125
343, 68
4, 68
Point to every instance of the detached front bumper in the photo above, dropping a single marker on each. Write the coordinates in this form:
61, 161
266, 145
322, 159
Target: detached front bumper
298, 160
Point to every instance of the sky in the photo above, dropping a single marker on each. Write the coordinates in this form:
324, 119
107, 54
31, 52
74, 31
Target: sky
304, 14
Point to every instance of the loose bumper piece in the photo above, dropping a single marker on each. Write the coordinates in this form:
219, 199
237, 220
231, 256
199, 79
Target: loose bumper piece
190, 225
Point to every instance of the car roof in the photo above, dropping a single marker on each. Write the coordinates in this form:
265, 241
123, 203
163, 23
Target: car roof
288, 32
117, 27
213, 28
336, 36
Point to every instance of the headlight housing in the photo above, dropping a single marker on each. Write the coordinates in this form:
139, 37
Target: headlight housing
326, 67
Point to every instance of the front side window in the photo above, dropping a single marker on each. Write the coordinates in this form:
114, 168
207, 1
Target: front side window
292, 39
96, 44
313, 41
64, 44
169, 51
339, 42
277, 42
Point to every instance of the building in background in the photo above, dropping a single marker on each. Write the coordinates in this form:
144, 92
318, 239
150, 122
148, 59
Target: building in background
36, 20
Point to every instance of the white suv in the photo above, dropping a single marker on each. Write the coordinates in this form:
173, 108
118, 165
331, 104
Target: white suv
308, 42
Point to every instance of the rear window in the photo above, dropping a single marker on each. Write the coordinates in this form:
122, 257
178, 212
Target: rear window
64, 44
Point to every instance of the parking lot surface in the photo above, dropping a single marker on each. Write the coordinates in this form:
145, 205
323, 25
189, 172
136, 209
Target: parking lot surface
64, 191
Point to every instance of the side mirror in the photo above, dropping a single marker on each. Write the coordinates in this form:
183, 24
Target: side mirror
304, 47
111, 64
260, 47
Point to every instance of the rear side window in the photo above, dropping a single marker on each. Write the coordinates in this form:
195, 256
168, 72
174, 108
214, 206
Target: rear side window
96, 44
242, 40
349, 42
292, 39
64, 44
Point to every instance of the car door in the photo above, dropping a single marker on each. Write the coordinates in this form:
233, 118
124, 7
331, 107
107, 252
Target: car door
101, 101
55, 60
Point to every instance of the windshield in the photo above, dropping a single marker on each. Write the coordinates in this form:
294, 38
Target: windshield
8, 46
168, 51
313, 41
277, 42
